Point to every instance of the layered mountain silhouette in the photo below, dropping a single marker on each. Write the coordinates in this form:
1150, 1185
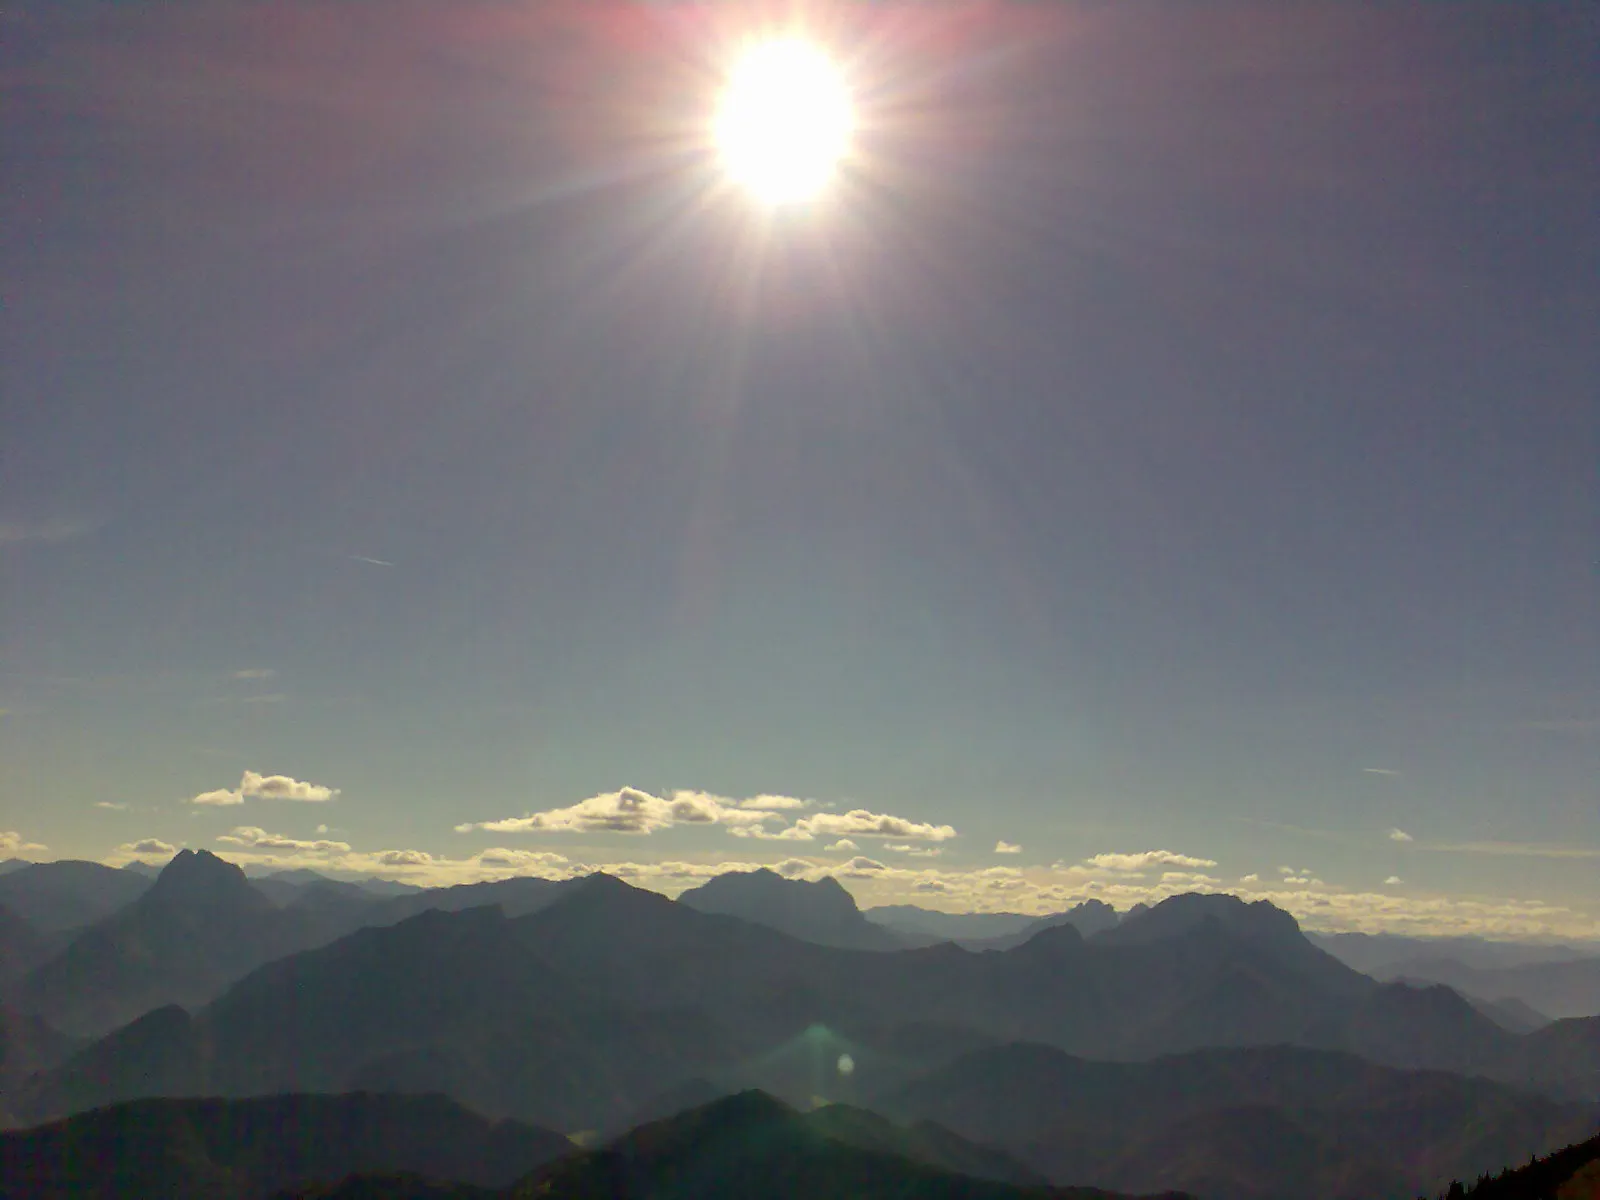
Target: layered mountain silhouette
57, 896
199, 927
821, 912
1250, 1124
579, 1014
935, 926
250, 1149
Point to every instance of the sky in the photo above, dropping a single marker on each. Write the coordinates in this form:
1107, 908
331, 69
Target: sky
1163, 458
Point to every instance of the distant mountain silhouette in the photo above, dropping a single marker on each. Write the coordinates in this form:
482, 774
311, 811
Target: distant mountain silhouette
196, 929
13, 864
934, 926
1562, 1058
516, 897
1247, 1124
752, 1145
821, 911
250, 1149
57, 896
1387, 954
990, 931
580, 1014
1556, 989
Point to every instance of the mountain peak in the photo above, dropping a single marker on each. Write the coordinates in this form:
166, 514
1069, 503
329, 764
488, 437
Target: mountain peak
822, 911
1176, 915
200, 877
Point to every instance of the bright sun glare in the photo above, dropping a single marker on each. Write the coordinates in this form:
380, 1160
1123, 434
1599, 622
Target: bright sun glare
784, 121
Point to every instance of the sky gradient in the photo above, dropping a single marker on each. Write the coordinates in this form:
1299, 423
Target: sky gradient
1175, 436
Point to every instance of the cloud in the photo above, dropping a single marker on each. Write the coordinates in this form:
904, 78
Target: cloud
376, 562
22, 531
629, 810
860, 822
255, 673
11, 842
1146, 859
1007, 848
518, 860
220, 798
152, 846
861, 868
1400, 835
773, 803
1189, 877
111, 805
282, 787
403, 858
255, 786
1378, 771
843, 844
1250, 878
914, 851
252, 837
1392, 880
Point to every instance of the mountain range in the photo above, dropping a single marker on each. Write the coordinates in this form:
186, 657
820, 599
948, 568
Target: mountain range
1254, 1124
821, 912
589, 1006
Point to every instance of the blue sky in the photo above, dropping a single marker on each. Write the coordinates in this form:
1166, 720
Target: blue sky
1175, 434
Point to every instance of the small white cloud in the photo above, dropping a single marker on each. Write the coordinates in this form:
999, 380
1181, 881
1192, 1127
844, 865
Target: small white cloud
111, 805
144, 848
861, 868
1378, 771
1146, 859
220, 798
403, 858
1251, 878
1400, 835
790, 868
860, 822
773, 803
629, 810
255, 786
12, 842
843, 844
1007, 848
255, 673
322, 829
1393, 880
251, 837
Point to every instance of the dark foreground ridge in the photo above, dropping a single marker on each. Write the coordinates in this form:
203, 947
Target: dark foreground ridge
1569, 1174
361, 1146
248, 1149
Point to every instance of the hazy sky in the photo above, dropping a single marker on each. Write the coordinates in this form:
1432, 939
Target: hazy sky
1176, 432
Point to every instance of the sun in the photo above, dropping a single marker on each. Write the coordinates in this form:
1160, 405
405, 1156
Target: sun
784, 121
